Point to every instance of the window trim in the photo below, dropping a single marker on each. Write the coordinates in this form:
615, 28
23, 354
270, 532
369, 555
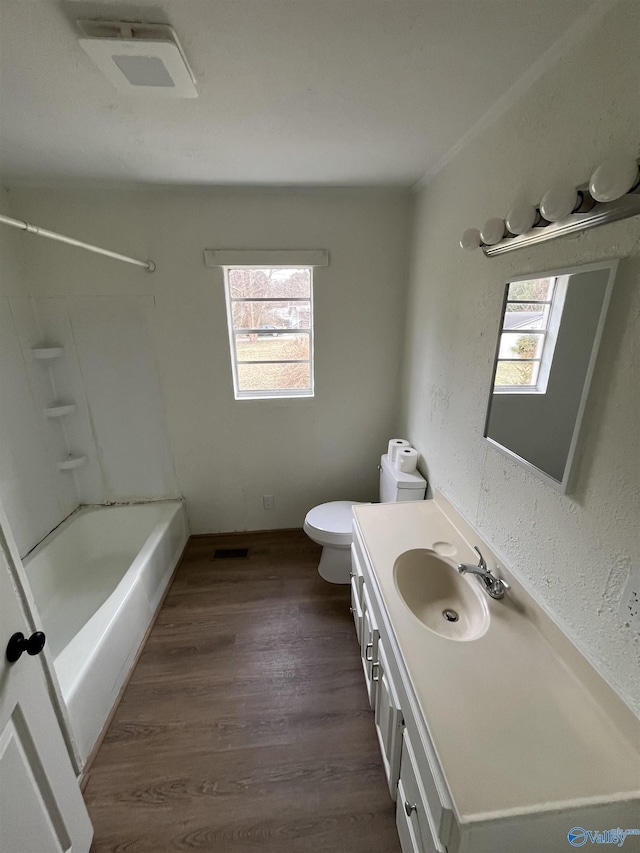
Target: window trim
549, 334
276, 393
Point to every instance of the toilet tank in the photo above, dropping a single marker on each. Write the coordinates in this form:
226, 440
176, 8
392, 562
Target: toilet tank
396, 486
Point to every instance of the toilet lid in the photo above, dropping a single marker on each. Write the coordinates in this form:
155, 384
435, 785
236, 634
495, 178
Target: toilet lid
332, 521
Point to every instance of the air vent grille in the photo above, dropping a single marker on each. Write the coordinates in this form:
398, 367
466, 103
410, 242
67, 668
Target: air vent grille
139, 58
230, 554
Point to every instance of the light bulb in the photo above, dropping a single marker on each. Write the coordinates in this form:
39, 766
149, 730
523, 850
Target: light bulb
470, 239
559, 202
613, 178
521, 218
492, 231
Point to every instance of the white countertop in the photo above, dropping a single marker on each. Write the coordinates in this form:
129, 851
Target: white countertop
514, 729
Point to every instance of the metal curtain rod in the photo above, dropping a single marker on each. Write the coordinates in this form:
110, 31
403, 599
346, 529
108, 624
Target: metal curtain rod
52, 235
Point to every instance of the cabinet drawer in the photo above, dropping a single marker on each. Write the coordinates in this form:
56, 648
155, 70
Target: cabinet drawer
418, 802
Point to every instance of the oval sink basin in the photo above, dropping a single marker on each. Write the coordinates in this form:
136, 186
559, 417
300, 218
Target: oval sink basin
442, 599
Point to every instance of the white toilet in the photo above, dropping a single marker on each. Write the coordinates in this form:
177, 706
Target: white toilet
330, 524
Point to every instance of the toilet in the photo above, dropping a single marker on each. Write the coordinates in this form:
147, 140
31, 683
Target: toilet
330, 524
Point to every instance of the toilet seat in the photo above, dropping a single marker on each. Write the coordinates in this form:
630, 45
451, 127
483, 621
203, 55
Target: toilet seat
330, 523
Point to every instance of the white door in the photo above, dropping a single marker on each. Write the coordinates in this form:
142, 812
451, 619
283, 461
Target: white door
41, 806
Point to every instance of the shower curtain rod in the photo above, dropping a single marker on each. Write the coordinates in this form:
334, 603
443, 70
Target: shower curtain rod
52, 235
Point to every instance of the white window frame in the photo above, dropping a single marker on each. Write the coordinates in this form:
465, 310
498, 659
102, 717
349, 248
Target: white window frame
276, 393
549, 336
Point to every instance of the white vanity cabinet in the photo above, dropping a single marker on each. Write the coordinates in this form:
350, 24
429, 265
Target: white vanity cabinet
383, 696
484, 760
423, 819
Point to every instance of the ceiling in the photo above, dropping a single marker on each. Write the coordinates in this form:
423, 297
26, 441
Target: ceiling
291, 92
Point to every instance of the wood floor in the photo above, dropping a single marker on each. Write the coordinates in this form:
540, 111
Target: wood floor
245, 726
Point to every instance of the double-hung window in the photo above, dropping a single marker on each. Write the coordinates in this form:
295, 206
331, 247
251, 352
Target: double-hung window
270, 319
530, 322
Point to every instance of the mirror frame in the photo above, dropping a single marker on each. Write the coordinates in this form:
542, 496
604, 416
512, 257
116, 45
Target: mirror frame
565, 485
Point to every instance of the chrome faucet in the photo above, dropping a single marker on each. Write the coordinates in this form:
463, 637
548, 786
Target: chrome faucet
492, 585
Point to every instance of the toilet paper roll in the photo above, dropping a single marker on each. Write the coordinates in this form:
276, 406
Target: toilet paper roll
407, 460
394, 445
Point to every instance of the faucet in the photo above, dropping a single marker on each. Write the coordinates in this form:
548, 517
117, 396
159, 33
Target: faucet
492, 585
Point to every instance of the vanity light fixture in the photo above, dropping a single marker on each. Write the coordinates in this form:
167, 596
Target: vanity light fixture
558, 202
613, 193
614, 178
522, 217
493, 231
471, 239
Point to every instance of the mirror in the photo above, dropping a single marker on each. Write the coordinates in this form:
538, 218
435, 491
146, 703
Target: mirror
550, 330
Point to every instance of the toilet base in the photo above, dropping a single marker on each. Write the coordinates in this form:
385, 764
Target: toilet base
335, 564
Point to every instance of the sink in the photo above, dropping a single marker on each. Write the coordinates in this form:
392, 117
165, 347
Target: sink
440, 597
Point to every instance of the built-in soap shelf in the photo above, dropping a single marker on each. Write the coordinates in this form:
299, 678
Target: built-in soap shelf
47, 353
71, 462
60, 410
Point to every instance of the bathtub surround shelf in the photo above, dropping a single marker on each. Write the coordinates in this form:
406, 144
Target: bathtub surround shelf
71, 462
60, 410
47, 353
557, 747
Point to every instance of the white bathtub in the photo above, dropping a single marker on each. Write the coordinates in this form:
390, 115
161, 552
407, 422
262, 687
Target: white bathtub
97, 581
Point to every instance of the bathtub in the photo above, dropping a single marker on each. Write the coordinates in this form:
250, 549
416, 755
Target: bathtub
97, 581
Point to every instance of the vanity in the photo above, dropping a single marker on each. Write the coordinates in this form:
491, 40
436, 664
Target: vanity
497, 735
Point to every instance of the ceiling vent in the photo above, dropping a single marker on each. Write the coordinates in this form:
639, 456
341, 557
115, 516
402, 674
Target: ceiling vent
139, 58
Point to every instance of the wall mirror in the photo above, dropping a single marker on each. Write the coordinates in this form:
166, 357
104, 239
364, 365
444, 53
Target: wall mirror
550, 330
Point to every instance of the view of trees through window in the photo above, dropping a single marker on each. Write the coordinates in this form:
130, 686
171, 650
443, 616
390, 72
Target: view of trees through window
524, 328
270, 313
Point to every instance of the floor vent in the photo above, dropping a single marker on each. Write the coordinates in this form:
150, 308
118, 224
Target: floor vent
231, 554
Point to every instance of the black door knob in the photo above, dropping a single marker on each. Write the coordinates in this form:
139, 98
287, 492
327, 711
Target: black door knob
18, 643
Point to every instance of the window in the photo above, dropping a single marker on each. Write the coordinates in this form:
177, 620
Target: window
531, 318
270, 318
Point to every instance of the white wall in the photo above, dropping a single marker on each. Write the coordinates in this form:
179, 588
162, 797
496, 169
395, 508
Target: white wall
35, 495
574, 551
229, 453
107, 370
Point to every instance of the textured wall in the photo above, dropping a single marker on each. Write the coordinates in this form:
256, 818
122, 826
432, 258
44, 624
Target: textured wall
573, 551
229, 453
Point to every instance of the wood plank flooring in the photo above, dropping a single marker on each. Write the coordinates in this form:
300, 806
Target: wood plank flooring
245, 726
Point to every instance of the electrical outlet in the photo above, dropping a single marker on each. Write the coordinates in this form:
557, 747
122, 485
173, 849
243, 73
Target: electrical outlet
630, 601
267, 501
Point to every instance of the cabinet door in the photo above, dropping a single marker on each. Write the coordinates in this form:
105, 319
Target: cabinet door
356, 572
414, 816
369, 647
356, 610
389, 721
409, 842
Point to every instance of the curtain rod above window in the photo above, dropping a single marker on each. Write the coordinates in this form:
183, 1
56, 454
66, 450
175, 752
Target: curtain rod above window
52, 235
